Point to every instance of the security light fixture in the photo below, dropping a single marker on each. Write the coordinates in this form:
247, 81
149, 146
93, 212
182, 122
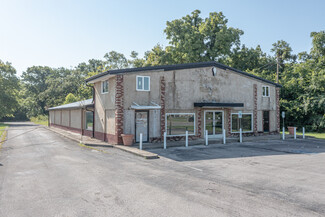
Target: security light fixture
214, 71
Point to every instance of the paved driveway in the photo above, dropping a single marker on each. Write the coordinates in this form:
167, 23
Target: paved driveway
42, 174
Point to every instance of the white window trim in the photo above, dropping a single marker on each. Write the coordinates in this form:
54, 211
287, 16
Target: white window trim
223, 122
268, 87
193, 134
242, 114
136, 83
101, 86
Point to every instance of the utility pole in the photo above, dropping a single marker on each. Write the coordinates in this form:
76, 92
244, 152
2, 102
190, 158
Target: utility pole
277, 68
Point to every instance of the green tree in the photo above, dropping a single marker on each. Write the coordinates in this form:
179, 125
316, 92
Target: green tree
86, 70
9, 87
282, 51
135, 61
247, 59
157, 56
303, 92
70, 98
193, 39
318, 49
34, 80
115, 60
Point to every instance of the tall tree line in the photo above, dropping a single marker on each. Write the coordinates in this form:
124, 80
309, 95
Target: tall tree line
191, 39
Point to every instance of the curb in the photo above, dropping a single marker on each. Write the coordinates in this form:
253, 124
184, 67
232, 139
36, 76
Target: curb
77, 140
137, 152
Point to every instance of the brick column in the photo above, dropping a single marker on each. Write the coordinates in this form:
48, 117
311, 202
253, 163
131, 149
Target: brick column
229, 121
119, 107
199, 122
277, 98
162, 104
255, 108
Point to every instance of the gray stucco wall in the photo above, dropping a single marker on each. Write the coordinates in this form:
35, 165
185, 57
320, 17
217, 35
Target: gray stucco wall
51, 113
74, 121
183, 89
76, 118
105, 103
129, 126
65, 118
57, 117
154, 123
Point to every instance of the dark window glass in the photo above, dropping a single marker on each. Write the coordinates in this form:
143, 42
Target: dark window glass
89, 120
246, 123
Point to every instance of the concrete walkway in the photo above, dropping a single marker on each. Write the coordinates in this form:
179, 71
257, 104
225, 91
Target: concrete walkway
219, 141
91, 142
134, 149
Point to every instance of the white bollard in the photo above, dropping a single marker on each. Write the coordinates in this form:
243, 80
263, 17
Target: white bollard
283, 135
240, 135
295, 132
224, 136
303, 132
206, 137
140, 143
186, 139
165, 138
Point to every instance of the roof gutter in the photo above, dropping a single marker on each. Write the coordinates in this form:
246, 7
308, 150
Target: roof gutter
177, 67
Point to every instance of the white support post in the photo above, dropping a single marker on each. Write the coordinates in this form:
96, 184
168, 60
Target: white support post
224, 136
303, 132
165, 138
295, 132
283, 135
140, 143
240, 135
186, 139
206, 137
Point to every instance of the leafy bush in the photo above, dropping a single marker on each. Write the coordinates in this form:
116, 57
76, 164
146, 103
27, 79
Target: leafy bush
40, 119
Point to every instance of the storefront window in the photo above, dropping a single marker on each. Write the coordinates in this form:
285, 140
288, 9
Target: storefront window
247, 122
178, 123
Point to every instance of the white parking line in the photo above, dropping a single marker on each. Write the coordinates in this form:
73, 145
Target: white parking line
194, 168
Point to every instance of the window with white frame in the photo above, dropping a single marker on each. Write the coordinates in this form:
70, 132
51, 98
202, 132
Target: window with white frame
246, 122
266, 91
178, 123
143, 83
105, 86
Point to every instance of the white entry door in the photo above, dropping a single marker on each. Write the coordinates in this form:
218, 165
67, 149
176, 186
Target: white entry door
141, 125
213, 123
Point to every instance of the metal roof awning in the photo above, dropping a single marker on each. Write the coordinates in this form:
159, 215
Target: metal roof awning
218, 104
145, 107
75, 105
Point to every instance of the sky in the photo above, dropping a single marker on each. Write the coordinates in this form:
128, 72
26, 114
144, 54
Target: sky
64, 33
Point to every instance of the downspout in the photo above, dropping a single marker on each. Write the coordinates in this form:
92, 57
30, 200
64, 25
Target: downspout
93, 87
105, 127
82, 121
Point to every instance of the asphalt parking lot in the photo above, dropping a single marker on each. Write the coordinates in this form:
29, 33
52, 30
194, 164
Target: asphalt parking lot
245, 149
43, 174
290, 171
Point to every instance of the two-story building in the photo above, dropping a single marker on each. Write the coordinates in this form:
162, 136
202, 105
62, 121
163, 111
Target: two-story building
190, 97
